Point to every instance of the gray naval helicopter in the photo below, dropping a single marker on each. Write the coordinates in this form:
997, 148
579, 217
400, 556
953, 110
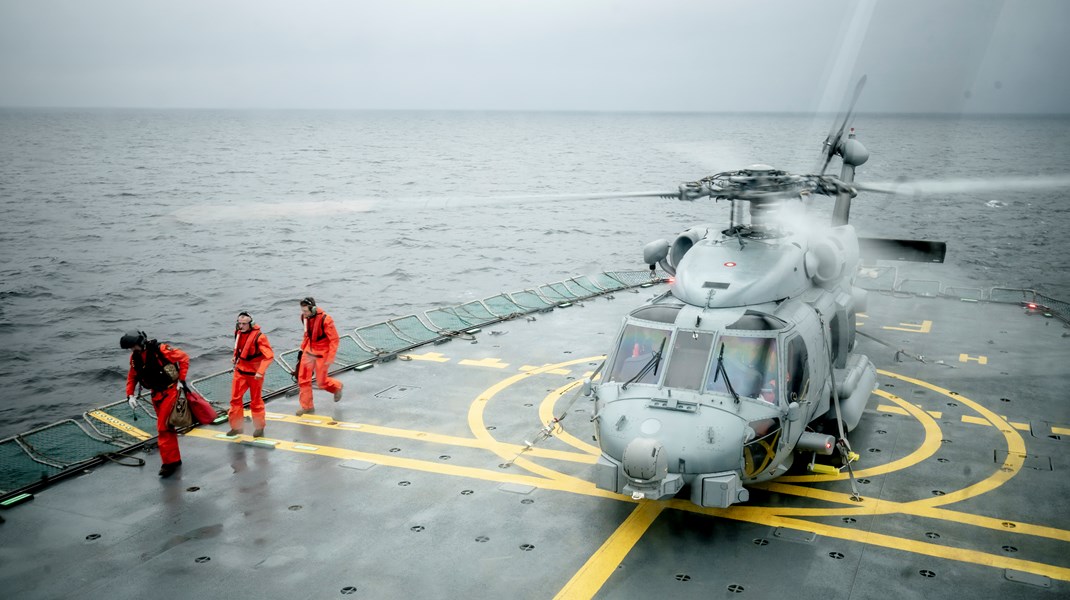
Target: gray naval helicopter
747, 359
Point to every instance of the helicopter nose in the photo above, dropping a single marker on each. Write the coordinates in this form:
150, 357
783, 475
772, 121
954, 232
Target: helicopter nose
645, 459
646, 466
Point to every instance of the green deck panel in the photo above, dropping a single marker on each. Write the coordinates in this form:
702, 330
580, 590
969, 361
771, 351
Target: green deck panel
478, 312
634, 278
18, 469
607, 282
65, 442
350, 352
277, 378
289, 358
585, 283
560, 290
216, 388
578, 290
530, 300
920, 287
964, 293
1011, 296
414, 329
502, 306
381, 337
447, 319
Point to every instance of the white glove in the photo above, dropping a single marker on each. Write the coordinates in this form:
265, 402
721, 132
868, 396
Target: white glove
132, 401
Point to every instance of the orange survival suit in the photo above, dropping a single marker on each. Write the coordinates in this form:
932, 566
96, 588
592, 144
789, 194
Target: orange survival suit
319, 345
252, 357
146, 368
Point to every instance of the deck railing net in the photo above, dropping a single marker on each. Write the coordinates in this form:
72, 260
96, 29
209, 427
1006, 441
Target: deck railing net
49, 452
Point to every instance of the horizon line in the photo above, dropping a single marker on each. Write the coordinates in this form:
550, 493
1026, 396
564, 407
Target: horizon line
543, 110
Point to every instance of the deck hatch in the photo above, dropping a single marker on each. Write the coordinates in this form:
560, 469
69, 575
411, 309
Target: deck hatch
1032, 461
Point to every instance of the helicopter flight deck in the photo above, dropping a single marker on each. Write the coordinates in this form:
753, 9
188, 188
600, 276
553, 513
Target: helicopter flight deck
484, 448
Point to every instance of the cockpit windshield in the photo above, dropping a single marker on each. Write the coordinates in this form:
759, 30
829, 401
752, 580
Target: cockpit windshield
637, 348
750, 364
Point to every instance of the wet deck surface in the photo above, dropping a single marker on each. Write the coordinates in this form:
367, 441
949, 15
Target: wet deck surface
401, 489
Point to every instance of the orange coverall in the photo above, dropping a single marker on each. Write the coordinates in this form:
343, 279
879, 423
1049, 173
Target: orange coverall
163, 401
252, 354
319, 344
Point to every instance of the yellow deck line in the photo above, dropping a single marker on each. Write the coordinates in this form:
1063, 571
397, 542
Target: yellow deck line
594, 573
478, 427
119, 424
416, 465
979, 421
546, 414
587, 582
886, 541
927, 448
761, 515
1010, 467
424, 436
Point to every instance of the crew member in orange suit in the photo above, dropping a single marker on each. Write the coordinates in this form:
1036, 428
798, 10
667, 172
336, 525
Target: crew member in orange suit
161, 369
252, 357
318, 347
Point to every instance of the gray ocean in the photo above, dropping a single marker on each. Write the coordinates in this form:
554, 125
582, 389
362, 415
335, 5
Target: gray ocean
173, 221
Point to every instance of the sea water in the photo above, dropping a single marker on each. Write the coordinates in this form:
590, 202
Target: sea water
174, 221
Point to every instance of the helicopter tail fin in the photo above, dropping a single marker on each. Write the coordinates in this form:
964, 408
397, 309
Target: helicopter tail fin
902, 250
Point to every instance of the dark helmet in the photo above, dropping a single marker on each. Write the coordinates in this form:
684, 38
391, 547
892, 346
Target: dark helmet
133, 338
309, 301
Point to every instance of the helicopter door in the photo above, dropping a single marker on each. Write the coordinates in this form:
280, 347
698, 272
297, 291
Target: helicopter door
688, 360
637, 348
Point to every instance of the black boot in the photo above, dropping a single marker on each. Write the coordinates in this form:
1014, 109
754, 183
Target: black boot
168, 469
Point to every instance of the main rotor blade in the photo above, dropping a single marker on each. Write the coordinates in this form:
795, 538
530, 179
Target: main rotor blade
322, 208
965, 186
902, 250
832, 142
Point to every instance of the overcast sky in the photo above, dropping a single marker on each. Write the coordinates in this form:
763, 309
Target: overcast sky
972, 56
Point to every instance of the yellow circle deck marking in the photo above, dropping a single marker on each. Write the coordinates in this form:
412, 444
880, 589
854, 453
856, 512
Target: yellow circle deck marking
595, 572
546, 414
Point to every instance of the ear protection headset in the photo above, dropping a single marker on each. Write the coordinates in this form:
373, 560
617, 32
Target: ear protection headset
310, 302
243, 314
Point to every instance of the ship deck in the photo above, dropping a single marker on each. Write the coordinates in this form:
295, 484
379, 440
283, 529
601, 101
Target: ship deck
411, 486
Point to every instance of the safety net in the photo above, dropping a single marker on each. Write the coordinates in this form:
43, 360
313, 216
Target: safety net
46, 454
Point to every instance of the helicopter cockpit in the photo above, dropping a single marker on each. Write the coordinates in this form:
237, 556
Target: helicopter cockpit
740, 361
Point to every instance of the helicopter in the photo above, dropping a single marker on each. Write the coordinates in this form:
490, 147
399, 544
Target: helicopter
748, 359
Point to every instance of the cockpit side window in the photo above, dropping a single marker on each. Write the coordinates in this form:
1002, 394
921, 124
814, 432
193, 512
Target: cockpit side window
687, 362
751, 365
637, 347
798, 372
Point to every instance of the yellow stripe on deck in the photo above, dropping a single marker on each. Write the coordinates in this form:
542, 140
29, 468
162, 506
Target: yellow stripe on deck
119, 424
428, 356
424, 436
576, 487
596, 571
529, 368
493, 363
980, 421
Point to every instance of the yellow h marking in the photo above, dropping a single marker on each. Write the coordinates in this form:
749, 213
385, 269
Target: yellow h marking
923, 327
493, 363
430, 356
981, 360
